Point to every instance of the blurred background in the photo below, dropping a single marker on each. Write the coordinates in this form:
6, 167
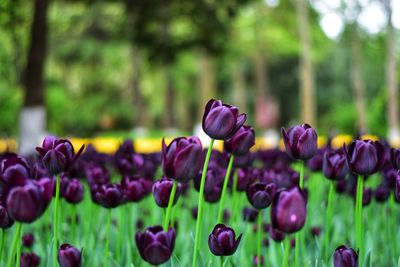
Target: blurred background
131, 68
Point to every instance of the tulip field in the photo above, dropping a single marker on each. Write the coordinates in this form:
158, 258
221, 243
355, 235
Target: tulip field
192, 205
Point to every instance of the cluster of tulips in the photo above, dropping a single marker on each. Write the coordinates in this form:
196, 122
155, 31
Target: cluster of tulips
270, 178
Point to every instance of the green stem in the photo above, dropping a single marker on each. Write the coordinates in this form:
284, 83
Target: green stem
392, 203
200, 203
19, 248
107, 237
297, 249
73, 222
170, 203
299, 237
2, 233
221, 262
301, 182
15, 242
223, 194
234, 197
359, 231
286, 253
55, 221
259, 237
328, 219
129, 232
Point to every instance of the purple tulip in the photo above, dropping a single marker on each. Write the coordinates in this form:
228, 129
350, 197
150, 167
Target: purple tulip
97, 174
5, 219
250, 214
28, 240
345, 257
315, 231
69, 256
29, 260
241, 142
397, 189
155, 245
182, 159
26, 203
365, 157
382, 193
315, 163
48, 189
221, 121
367, 196
258, 261
395, 158
289, 212
74, 192
300, 141
390, 177
162, 192
58, 154
335, 166
276, 235
135, 188
214, 179
222, 241
260, 195
245, 178
14, 171
108, 195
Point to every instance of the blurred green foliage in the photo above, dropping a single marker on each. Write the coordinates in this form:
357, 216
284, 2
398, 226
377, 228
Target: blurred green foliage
89, 65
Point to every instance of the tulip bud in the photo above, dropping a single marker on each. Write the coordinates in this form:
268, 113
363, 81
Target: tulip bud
315, 163
315, 231
365, 157
367, 196
222, 241
58, 154
382, 193
14, 171
395, 157
260, 195
276, 235
221, 121
162, 192
134, 188
74, 192
397, 189
108, 195
155, 245
289, 212
28, 240
335, 166
241, 142
26, 203
97, 174
69, 256
345, 257
258, 261
182, 159
250, 214
5, 219
300, 142
29, 260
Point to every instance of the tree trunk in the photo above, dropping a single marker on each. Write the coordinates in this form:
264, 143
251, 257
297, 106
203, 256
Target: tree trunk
266, 109
33, 114
357, 79
140, 107
307, 91
239, 87
206, 82
391, 79
168, 117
